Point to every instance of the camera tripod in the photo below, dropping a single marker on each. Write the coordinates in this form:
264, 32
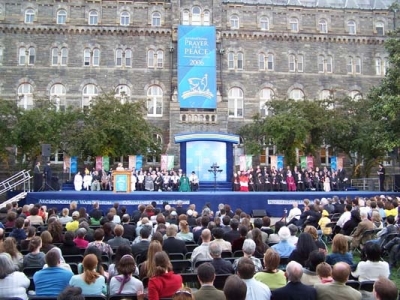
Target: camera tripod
45, 186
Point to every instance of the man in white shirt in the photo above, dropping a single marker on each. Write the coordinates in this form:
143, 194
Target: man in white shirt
345, 216
194, 182
202, 252
255, 289
294, 214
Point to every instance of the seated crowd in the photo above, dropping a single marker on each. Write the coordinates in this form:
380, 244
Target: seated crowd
149, 251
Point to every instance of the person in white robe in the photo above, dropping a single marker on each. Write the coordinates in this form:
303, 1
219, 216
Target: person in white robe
78, 181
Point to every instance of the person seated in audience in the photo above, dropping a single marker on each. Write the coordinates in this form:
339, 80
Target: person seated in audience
52, 280
255, 289
261, 247
293, 234
294, 214
305, 245
35, 258
340, 251
129, 229
249, 247
65, 218
31, 232
274, 237
389, 229
98, 242
99, 268
74, 224
385, 289
310, 276
235, 288
10, 247
294, 289
206, 277
121, 251
89, 236
373, 267
221, 266
90, 281
338, 288
202, 252
351, 224
148, 267
18, 232
171, 243
71, 293
125, 283
357, 237
79, 240
47, 241
284, 248
310, 216
56, 230
314, 233
324, 272
271, 275
164, 283
69, 247
118, 240
62, 264
184, 234
238, 243
34, 217
13, 284
108, 229
377, 220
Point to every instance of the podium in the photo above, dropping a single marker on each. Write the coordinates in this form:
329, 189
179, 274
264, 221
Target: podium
122, 181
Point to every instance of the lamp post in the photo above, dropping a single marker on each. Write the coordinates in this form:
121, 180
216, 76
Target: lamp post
215, 170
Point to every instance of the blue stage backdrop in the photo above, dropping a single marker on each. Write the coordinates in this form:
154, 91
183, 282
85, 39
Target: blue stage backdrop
197, 67
200, 155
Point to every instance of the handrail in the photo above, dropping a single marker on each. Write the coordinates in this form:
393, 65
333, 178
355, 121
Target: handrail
21, 178
16, 198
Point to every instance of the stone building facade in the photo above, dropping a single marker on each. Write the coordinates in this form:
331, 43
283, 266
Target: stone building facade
70, 51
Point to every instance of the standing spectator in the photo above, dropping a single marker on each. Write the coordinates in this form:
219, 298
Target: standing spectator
235, 288
294, 289
52, 280
271, 276
338, 288
13, 284
381, 173
255, 289
125, 283
165, 283
206, 275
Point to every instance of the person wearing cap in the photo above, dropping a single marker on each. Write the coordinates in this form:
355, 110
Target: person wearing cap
194, 182
74, 224
284, 248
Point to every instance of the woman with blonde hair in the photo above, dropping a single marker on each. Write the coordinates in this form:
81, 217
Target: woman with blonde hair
376, 219
47, 241
10, 247
91, 282
340, 251
184, 234
148, 267
271, 275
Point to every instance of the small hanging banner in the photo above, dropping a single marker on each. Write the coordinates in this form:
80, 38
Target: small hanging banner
139, 162
334, 163
274, 161
279, 162
106, 163
99, 163
303, 162
131, 162
67, 163
310, 162
74, 164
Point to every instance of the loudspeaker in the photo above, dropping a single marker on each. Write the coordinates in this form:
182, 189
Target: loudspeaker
396, 182
258, 213
46, 150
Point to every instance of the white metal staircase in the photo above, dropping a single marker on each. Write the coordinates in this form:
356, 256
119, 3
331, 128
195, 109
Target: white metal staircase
20, 180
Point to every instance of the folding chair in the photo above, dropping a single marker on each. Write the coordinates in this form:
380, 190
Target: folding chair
191, 247
176, 256
219, 280
367, 286
120, 297
181, 266
238, 253
73, 258
30, 271
199, 262
354, 284
226, 254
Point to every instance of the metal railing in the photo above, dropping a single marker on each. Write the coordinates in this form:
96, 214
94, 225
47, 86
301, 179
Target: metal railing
20, 180
371, 184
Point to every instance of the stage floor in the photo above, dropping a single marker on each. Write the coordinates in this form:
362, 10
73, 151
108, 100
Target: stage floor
273, 202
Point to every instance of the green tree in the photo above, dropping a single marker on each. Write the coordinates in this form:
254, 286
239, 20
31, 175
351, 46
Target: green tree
8, 111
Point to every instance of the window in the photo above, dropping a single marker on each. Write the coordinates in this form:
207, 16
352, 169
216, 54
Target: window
93, 17
128, 58
323, 26
123, 92
264, 23
292, 63
329, 64
349, 65
231, 60
300, 63
240, 61
150, 58
58, 95
385, 65
321, 64
59, 57
156, 19
153, 156
358, 65
325, 95
160, 59
294, 25
125, 18
296, 94
90, 91
355, 95
235, 103
62, 16
155, 59
261, 61
270, 62
206, 18
185, 17
351, 27
378, 66
234, 20
154, 101
25, 94
380, 28
196, 15
296, 63
91, 57
325, 64
1, 56
27, 56
265, 96
118, 57
29, 16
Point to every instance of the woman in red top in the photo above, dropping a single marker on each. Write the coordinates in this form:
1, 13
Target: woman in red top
165, 283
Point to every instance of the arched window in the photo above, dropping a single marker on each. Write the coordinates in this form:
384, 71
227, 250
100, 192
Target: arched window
321, 63
351, 27
235, 103
118, 57
86, 57
196, 15
358, 63
323, 26
240, 61
378, 66
156, 19
58, 96
123, 92
54, 56
128, 58
355, 95
89, 92
261, 61
160, 59
93, 17
296, 94
206, 18
231, 60
25, 94
29, 16
294, 24
150, 58
265, 96
154, 101
62, 16
235, 22
349, 65
125, 18
96, 57
270, 62
185, 17
325, 95
329, 64
264, 23
380, 28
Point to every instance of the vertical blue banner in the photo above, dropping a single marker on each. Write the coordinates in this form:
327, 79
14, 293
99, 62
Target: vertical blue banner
74, 164
280, 162
197, 86
333, 163
139, 162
